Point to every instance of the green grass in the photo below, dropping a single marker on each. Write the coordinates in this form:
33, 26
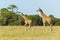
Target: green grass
34, 33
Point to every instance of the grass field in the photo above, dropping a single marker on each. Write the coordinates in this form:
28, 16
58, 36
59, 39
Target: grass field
34, 33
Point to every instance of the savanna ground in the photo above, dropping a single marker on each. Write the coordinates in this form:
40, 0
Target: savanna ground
34, 33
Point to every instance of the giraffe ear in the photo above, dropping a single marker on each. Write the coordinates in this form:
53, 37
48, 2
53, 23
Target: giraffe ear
39, 8
22, 13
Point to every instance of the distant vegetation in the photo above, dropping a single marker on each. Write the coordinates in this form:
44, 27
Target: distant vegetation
8, 16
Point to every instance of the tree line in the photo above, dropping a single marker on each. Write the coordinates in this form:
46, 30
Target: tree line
9, 17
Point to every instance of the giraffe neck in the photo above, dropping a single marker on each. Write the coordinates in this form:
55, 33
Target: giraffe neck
43, 14
25, 18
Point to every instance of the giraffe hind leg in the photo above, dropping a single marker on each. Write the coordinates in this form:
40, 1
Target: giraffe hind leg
50, 26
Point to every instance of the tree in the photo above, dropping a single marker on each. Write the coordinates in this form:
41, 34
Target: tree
12, 7
57, 23
8, 16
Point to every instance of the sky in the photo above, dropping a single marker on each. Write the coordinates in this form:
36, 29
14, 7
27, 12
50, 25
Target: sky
49, 7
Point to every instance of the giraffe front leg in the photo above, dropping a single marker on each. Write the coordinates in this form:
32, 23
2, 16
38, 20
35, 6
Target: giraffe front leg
44, 25
29, 25
25, 24
25, 27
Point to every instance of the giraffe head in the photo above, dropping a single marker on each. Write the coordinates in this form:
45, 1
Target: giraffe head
21, 14
39, 10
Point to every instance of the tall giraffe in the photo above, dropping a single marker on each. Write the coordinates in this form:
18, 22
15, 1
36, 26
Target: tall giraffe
27, 20
45, 18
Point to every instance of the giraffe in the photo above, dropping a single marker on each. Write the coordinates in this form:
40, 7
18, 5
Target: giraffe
26, 20
45, 18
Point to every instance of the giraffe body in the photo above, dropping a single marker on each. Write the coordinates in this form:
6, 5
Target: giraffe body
45, 18
27, 20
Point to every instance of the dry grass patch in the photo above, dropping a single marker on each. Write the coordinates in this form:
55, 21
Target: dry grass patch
34, 33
